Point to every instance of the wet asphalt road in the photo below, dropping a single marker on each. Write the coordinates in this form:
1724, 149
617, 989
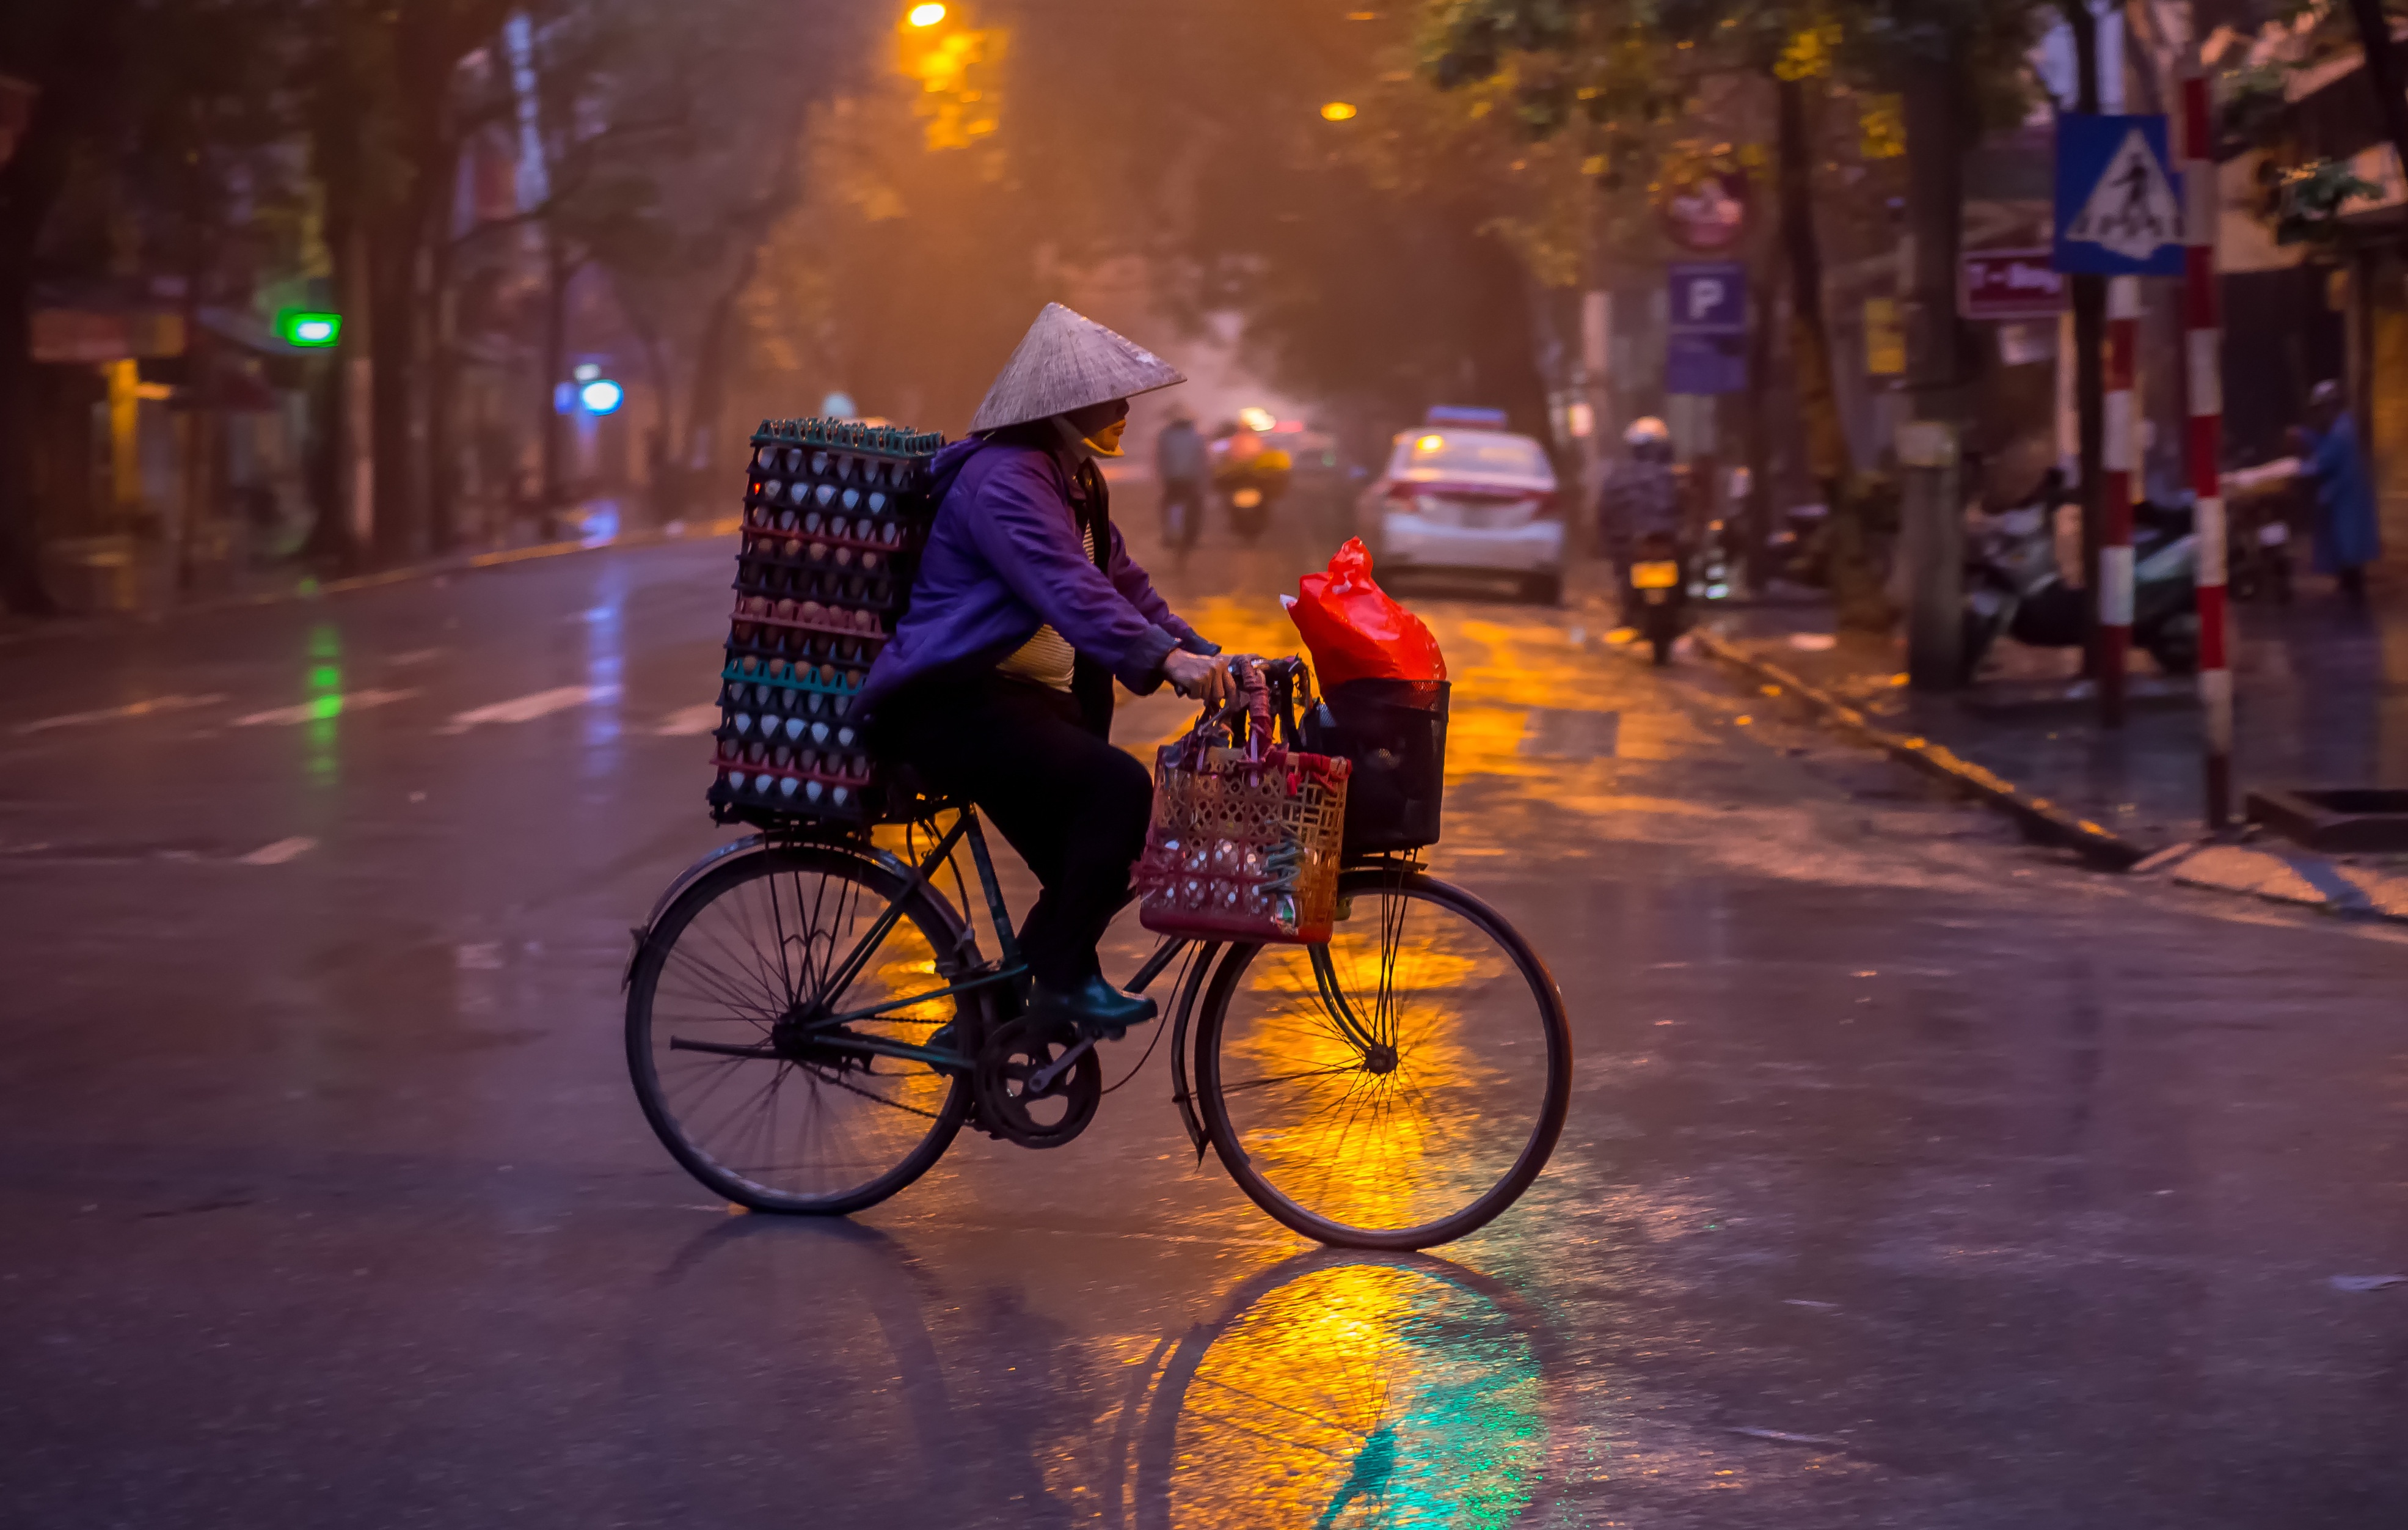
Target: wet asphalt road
1914, 1177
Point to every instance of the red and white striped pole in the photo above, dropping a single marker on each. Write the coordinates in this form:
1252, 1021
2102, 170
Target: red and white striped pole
2118, 456
2203, 326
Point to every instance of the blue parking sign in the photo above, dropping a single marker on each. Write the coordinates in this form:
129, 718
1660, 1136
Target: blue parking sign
2118, 212
1706, 297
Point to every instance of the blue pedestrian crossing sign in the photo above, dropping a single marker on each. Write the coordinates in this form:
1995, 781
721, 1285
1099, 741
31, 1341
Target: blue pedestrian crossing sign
2118, 211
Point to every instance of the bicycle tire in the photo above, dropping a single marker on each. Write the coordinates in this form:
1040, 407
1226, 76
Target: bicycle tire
1551, 1099
749, 995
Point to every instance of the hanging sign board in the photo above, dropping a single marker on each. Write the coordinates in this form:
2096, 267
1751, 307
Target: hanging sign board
1706, 297
2117, 212
1708, 214
2009, 284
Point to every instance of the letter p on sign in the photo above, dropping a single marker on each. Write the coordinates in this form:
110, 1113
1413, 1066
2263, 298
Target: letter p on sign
1705, 299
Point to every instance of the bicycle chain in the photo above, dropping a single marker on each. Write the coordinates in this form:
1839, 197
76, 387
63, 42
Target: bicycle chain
870, 1094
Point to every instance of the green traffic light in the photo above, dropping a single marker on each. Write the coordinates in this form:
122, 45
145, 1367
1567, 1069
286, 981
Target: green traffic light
309, 329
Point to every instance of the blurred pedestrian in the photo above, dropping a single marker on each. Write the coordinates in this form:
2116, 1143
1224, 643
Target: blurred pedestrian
2349, 536
1179, 467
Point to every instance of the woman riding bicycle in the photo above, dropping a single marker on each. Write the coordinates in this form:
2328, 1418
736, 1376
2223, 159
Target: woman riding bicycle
996, 687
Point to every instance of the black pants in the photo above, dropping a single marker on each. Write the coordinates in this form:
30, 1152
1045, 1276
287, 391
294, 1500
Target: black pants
1072, 806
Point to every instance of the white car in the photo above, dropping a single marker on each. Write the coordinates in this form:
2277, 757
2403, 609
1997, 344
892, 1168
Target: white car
1463, 500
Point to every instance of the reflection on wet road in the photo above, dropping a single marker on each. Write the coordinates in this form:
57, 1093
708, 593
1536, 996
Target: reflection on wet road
1912, 1176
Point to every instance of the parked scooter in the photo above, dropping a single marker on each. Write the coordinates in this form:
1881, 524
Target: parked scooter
2014, 587
1657, 597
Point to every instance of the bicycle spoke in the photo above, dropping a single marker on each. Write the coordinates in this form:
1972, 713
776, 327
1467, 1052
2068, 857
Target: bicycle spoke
1390, 1080
785, 1127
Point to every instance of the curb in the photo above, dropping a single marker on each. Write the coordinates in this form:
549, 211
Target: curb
309, 590
2289, 875
2039, 818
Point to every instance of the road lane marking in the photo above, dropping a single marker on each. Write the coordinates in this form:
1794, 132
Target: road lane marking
324, 706
687, 721
146, 707
526, 709
279, 853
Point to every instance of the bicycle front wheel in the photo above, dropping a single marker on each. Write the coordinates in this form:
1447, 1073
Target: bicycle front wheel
1397, 1088
737, 1071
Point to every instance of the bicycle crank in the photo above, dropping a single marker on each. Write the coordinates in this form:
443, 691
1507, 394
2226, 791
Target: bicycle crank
1037, 1085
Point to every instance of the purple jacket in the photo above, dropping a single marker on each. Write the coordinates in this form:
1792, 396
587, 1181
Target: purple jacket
1004, 557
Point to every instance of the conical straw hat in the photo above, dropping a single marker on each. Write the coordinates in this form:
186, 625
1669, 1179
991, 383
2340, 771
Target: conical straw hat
1068, 361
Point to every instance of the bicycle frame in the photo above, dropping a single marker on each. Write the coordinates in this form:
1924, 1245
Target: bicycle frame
1008, 968
984, 975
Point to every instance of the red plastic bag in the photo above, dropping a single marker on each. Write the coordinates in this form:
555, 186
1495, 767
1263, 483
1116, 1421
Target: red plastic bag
1354, 631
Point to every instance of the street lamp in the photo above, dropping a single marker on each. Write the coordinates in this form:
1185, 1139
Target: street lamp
1336, 111
927, 15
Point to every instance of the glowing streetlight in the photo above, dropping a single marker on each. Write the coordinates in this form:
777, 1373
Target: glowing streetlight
601, 397
1336, 111
927, 15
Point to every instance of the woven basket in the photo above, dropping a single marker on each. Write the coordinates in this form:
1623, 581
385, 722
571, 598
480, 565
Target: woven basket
1245, 841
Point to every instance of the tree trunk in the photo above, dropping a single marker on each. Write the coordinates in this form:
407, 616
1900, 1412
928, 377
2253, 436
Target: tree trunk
1856, 593
558, 272
1932, 542
75, 69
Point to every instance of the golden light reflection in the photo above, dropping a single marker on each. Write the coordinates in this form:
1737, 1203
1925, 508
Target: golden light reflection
928, 15
1397, 1148
1361, 1394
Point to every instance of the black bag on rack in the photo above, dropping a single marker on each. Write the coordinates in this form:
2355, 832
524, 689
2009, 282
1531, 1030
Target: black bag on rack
835, 515
1394, 731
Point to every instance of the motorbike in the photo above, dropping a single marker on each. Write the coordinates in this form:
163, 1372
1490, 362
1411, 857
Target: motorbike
2257, 550
2014, 587
1249, 479
1657, 597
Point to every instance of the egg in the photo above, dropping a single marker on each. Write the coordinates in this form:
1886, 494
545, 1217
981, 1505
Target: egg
788, 785
735, 780
798, 492
812, 521
794, 727
771, 488
744, 722
813, 790
840, 795
826, 493
843, 557
870, 561
819, 461
852, 497
818, 552
876, 501
794, 458
844, 736
811, 611
785, 520
747, 664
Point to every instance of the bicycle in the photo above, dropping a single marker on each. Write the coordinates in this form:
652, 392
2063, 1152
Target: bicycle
1396, 1087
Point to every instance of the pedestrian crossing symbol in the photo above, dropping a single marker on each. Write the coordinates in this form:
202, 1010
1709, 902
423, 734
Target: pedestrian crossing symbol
2117, 213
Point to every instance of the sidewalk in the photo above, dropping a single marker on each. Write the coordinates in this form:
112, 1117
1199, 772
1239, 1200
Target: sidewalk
2320, 698
592, 526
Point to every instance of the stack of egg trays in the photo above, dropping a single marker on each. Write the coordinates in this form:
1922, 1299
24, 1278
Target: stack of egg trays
834, 517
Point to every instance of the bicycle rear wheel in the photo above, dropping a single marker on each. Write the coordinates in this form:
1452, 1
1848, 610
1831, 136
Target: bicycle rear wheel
1397, 1088
752, 1101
